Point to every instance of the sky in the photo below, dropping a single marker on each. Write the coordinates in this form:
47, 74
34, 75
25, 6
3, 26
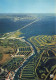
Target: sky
27, 6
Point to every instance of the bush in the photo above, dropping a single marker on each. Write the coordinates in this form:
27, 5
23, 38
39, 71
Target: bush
1, 55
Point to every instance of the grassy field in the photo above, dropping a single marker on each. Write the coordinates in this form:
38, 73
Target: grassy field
5, 55
10, 46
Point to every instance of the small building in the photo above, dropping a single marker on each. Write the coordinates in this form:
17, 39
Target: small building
51, 76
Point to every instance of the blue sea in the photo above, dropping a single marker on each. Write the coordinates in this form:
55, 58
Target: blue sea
46, 25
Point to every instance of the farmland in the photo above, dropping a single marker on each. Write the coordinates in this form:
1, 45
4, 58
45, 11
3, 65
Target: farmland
28, 71
43, 64
13, 52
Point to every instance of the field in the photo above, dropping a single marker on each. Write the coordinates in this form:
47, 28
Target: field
44, 62
27, 72
13, 52
5, 54
13, 64
24, 51
10, 48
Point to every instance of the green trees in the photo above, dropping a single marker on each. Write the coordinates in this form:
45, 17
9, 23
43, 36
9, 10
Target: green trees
1, 56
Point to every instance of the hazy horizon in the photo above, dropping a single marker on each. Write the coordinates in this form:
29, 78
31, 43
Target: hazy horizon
27, 6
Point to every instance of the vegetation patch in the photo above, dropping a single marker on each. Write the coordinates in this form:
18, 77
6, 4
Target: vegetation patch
46, 64
1, 56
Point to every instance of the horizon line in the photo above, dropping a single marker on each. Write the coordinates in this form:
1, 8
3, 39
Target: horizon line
27, 13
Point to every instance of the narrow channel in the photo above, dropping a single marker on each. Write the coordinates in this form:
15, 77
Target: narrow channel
25, 63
